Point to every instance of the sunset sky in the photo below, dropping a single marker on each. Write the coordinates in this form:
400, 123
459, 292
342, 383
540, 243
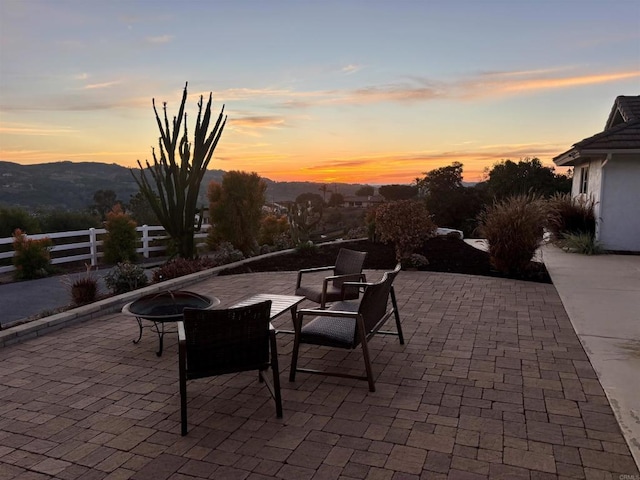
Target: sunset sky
327, 91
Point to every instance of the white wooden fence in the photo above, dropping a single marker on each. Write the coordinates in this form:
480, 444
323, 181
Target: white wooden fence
86, 244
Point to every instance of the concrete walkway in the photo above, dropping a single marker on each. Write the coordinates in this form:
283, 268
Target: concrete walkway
601, 295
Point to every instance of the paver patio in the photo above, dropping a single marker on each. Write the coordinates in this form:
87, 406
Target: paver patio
491, 383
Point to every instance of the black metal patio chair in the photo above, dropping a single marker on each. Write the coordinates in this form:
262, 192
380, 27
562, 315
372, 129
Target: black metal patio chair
347, 324
348, 268
218, 342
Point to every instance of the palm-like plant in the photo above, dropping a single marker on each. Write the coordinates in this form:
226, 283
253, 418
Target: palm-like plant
172, 190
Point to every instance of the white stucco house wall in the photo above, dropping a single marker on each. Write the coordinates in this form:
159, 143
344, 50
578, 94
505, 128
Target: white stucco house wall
607, 169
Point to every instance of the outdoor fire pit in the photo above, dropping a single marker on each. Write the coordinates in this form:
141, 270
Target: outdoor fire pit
165, 307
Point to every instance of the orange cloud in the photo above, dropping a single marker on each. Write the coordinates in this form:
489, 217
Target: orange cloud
424, 89
258, 121
497, 84
19, 129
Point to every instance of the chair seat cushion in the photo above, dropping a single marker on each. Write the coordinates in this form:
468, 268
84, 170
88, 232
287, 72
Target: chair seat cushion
337, 332
314, 293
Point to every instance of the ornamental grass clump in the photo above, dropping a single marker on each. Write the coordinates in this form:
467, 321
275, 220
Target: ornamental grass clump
405, 223
514, 229
569, 215
84, 289
583, 243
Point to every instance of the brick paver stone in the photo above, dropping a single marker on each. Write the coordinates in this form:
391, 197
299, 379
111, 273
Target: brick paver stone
492, 382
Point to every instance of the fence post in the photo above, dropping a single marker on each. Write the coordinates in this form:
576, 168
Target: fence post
93, 246
145, 241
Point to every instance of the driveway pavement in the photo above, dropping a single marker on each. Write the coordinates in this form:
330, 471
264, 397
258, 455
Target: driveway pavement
27, 299
493, 382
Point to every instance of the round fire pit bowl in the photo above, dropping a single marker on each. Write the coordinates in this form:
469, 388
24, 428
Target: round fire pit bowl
166, 306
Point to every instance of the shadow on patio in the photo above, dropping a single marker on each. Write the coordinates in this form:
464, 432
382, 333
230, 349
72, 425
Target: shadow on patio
492, 382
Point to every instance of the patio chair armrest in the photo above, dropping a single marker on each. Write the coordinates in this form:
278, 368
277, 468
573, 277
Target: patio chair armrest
312, 270
182, 336
326, 313
360, 285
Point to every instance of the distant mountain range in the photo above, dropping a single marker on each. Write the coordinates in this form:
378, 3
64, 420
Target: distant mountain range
71, 185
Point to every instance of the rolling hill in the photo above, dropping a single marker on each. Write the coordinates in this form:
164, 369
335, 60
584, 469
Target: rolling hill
70, 185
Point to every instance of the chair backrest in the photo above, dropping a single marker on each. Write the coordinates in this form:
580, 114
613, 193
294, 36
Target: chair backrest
373, 306
227, 340
348, 262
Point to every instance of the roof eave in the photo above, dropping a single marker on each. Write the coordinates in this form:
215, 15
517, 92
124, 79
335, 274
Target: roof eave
573, 156
567, 159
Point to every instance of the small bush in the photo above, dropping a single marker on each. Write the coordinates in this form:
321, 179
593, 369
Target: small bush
570, 215
179, 267
125, 277
226, 253
307, 249
406, 223
583, 243
514, 229
415, 260
272, 227
120, 242
31, 257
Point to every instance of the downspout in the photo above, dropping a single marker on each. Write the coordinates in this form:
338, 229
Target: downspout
601, 196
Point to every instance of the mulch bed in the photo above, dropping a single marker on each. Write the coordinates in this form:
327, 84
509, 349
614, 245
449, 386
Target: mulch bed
444, 255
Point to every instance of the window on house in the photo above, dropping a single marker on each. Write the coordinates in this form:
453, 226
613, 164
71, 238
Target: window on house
584, 179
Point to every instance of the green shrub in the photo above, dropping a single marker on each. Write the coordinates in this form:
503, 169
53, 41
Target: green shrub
31, 257
14, 218
514, 229
570, 215
120, 242
272, 227
62, 221
307, 248
406, 223
179, 267
583, 243
226, 253
125, 277
415, 261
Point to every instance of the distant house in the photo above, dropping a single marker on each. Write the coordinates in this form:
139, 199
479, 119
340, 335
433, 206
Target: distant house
607, 169
362, 202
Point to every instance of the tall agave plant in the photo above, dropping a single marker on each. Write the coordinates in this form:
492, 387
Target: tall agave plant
172, 190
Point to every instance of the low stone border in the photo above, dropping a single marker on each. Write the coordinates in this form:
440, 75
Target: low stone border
21, 331
10, 335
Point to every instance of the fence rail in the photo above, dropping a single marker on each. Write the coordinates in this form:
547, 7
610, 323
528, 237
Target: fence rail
85, 245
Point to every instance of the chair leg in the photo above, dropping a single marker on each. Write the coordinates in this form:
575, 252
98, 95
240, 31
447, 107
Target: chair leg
183, 394
276, 373
365, 354
297, 324
396, 314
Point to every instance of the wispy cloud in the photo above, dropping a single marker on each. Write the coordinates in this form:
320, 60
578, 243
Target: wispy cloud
94, 86
160, 39
351, 68
506, 83
33, 130
258, 121
419, 89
